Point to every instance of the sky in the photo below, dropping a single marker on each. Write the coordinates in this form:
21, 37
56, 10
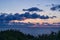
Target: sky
16, 6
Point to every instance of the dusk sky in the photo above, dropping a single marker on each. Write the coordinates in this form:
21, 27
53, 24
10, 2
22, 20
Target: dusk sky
16, 6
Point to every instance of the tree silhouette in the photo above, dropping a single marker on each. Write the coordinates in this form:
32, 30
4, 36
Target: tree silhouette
17, 35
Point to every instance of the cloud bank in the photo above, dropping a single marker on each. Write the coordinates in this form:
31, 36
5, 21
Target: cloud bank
26, 15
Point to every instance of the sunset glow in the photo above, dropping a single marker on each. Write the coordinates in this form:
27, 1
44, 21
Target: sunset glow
40, 21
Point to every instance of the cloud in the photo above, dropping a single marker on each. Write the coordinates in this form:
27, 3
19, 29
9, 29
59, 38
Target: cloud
26, 15
32, 9
55, 7
53, 17
34, 16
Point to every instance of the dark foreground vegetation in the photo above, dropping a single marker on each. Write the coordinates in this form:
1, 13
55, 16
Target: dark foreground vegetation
17, 35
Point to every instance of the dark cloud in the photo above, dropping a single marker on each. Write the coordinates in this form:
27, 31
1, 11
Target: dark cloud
55, 7
53, 17
33, 9
33, 16
17, 16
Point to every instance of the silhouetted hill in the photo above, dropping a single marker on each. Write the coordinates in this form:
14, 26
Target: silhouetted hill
14, 35
17, 35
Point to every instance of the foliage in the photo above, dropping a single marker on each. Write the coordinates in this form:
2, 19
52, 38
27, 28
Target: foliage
17, 35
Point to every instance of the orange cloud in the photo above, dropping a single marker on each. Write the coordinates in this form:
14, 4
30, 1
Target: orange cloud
40, 21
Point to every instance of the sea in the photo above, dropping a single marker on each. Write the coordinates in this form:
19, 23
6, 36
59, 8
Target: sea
35, 31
